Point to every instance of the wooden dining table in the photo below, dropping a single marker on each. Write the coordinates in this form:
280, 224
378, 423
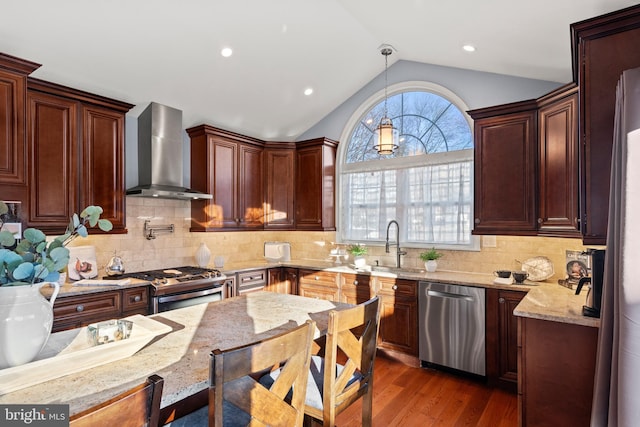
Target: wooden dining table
181, 356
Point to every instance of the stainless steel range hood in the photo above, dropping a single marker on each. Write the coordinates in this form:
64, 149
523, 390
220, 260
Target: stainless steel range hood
160, 155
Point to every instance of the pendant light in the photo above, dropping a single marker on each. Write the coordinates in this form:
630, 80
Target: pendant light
385, 135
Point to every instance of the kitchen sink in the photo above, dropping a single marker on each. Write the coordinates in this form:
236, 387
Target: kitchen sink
385, 269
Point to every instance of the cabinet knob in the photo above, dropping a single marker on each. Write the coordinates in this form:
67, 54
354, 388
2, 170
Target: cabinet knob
317, 278
539, 220
355, 282
80, 308
394, 287
501, 300
477, 220
137, 298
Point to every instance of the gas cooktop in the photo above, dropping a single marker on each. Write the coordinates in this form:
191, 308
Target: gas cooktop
167, 276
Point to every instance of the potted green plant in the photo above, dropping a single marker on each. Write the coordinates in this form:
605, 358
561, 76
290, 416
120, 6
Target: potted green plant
25, 266
358, 251
430, 258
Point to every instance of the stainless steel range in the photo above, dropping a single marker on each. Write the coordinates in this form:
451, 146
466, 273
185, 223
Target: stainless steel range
181, 286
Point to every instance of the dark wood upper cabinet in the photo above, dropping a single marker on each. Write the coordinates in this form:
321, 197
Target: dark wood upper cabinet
13, 101
229, 166
76, 155
315, 185
54, 159
505, 169
558, 163
602, 48
527, 168
102, 169
279, 186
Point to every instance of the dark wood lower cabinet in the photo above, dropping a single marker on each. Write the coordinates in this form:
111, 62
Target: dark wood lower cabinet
556, 364
355, 288
398, 333
283, 280
501, 338
318, 284
80, 310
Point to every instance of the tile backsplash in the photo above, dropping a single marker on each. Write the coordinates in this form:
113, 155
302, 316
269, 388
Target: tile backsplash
179, 248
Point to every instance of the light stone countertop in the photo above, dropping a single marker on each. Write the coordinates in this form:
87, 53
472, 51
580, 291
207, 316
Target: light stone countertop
181, 357
544, 300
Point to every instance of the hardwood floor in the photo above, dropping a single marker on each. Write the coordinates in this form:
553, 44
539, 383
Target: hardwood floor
419, 397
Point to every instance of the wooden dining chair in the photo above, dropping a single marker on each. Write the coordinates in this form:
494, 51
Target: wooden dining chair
236, 397
136, 407
342, 372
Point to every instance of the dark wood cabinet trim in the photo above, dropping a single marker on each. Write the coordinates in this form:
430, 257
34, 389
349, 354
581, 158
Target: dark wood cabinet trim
34, 84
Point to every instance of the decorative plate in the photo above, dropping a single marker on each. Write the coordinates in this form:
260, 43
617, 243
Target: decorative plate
539, 268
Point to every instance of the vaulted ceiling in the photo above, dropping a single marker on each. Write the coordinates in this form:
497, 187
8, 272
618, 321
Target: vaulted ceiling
166, 51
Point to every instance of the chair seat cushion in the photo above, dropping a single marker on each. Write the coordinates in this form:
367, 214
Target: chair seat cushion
233, 417
315, 382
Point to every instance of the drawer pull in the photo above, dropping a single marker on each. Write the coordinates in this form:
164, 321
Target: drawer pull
394, 287
137, 298
80, 308
355, 282
501, 300
317, 278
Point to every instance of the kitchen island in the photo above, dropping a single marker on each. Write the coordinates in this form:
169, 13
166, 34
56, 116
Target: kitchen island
181, 356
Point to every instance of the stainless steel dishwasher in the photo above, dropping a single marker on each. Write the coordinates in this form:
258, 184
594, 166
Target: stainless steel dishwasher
452, 326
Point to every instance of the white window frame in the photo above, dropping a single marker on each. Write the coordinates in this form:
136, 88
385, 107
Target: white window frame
342, 167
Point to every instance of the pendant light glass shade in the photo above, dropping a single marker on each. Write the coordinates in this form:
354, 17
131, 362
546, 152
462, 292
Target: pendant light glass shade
386, 137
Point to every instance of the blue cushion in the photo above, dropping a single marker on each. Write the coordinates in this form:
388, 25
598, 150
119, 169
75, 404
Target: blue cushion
315, 382
233, 416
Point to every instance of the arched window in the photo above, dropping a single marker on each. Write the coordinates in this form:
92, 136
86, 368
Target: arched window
426, 184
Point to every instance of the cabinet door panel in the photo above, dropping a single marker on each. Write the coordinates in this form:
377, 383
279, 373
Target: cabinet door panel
279, 189
225, 185
308, 188
398, 324
559, 168
53, 151
250, 203
12, 113
505, 153
103, 165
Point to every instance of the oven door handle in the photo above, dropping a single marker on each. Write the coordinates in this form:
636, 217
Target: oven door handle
190, 295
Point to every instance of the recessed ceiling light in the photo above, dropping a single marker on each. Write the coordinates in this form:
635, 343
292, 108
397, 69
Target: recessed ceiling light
308, 91
469, 48
226, 52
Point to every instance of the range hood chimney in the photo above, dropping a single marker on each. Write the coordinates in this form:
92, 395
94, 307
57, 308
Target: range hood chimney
160, 155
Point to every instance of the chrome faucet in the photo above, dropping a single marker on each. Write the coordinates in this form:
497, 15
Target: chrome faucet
386, 246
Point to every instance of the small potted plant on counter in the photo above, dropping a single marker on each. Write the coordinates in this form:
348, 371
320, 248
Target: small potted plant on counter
358, 251
430, 259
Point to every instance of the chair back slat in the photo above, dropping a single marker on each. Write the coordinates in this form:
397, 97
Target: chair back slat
235, 393
351, 343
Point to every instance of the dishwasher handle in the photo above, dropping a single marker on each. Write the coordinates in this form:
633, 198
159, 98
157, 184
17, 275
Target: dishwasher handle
441, 294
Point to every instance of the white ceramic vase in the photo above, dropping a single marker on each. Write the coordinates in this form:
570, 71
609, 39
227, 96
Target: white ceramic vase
26, 318
431, 265
203, 255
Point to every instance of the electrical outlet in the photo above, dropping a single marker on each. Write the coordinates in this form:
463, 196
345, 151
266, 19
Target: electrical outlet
489, 242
